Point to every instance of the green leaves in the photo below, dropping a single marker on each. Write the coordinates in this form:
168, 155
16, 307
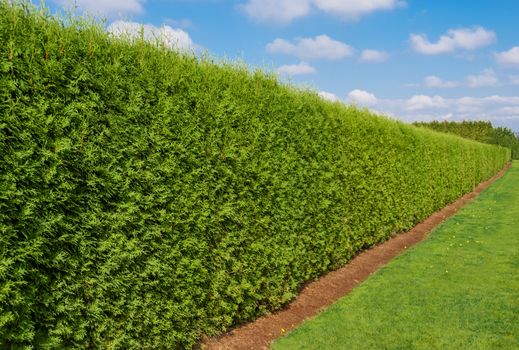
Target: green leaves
480, 131
148, 198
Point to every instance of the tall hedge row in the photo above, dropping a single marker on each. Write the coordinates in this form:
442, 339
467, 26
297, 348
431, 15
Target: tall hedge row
481, 131
148, 198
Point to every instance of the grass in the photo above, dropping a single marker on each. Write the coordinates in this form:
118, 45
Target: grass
457, 290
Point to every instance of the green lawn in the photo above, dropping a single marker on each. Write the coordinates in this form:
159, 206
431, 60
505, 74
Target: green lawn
459, 289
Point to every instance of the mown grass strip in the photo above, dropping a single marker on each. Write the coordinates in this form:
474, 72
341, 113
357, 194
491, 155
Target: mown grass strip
457, 290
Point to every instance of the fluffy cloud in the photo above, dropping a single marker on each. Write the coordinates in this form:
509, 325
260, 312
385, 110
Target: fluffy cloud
509, 111
183, 23
285, 11
296, 69
353, 9
108, 7
281, 11
168, 36
433, 81
455, 39
320, 47
500, 110
513, 79
508, 58
486, 78
329, 96
374, 56
361, 97
425, 102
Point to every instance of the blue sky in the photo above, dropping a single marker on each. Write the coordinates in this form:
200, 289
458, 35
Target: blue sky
412, 60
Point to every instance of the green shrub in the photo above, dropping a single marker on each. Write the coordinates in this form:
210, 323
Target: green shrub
481, 131
148, 197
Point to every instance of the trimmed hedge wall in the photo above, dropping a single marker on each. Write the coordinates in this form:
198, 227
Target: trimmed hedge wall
148, 198
481, 131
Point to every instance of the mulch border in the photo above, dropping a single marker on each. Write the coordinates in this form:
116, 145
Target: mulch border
316, 295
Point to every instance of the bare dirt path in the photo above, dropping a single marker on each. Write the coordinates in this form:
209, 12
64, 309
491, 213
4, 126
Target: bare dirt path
326, 290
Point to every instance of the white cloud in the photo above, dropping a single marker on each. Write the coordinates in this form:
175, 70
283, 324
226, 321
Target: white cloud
513, 79
329, 96
183, 23
285, 11
374, 56
447, 116
500, 110
320, 47
296, 69
166, 35
433, 81
455, 39
106, 7
362, 97
280, 11
509, 111
508, 58
418, 102
486, 78
353, 9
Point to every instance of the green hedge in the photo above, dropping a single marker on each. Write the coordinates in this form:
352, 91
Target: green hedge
481, 131
148, 198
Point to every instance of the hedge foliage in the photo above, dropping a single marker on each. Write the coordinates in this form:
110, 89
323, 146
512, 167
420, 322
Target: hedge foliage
148, 197
481, 131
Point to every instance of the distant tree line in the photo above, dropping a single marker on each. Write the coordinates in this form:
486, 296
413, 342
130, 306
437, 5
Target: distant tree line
482, 131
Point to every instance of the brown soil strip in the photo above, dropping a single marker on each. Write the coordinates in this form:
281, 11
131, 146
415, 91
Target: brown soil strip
326, 290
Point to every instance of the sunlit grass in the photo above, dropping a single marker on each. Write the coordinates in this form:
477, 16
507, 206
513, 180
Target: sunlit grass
457, 290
